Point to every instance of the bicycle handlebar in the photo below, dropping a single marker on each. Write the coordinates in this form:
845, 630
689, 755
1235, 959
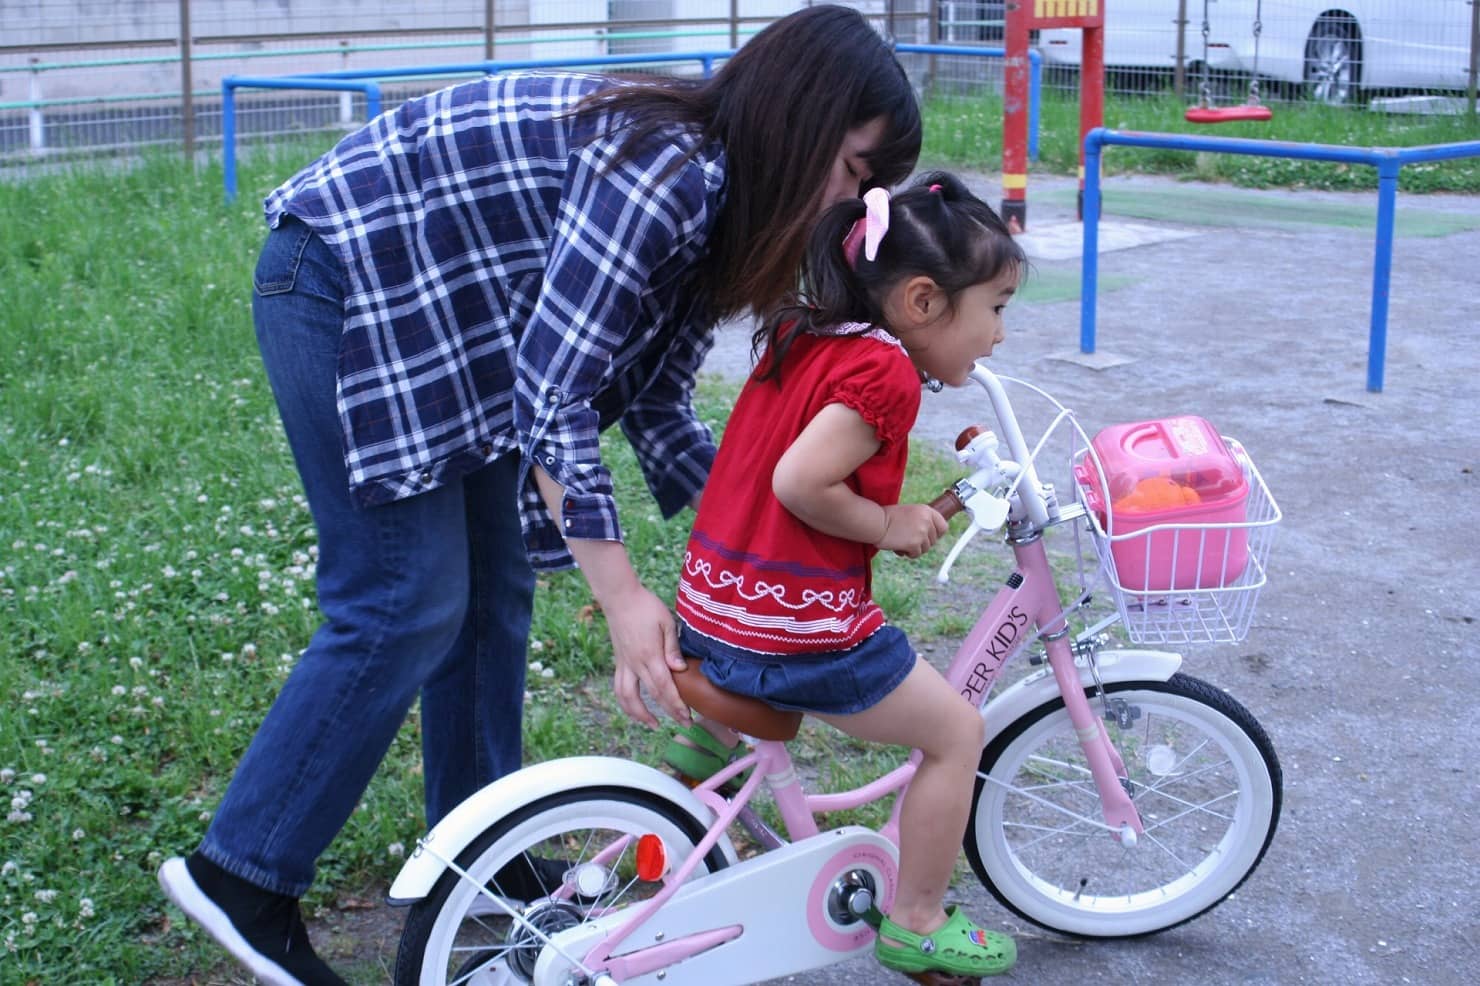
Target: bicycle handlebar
1030, 492
948, 504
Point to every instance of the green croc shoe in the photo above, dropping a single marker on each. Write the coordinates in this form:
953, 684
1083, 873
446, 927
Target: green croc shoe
958, 948
701, 757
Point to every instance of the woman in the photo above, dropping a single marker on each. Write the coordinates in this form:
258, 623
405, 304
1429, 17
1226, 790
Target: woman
451, 305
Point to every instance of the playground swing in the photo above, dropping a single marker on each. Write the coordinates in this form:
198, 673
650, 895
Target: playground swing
1252, 109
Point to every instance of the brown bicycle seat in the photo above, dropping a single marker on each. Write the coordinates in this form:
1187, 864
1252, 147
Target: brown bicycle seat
741, 713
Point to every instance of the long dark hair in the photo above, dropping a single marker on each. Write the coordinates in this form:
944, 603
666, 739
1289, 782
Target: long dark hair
781, 107
937, 228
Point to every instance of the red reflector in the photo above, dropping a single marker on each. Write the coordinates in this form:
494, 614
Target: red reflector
652, 858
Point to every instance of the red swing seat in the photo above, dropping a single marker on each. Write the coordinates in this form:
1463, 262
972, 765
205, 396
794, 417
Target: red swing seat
1229, 114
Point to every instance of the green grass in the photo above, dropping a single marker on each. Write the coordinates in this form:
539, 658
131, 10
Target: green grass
962, 132
156, 583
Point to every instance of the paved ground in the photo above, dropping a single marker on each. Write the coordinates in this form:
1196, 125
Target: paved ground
1357, 660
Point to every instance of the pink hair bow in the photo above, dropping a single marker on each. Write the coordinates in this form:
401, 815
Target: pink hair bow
869, 231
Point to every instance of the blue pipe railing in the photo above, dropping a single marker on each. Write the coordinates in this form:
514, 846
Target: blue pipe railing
231, 83
366, 81
1387, 160
1035, 77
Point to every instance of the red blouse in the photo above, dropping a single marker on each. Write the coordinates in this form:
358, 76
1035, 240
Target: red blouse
754, 575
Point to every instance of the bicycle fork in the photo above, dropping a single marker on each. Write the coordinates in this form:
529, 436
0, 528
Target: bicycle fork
1106, 766
1105, 763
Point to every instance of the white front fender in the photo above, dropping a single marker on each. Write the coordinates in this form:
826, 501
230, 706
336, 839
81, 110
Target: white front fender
1039, 687
470, 819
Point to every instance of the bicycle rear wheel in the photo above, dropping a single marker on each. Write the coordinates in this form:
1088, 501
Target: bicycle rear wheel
1203, 776
580, 847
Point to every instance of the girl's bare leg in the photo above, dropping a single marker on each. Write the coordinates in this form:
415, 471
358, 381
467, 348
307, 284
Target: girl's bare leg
926, 712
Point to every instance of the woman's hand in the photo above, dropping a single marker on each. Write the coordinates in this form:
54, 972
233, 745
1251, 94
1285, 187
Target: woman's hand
644, 636
911, 528
645, 651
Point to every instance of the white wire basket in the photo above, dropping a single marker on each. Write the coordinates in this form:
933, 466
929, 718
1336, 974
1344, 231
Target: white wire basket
1186, 583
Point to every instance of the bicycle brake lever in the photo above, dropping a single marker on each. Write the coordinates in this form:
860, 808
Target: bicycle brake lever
944, 575
988, 513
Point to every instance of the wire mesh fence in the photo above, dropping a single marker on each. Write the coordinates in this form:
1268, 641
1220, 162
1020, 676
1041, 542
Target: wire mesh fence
77, 76
1381, 54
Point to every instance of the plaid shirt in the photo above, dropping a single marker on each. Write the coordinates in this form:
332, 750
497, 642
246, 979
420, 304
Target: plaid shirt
505, 294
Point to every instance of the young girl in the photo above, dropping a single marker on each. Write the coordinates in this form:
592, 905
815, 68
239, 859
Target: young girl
774, 599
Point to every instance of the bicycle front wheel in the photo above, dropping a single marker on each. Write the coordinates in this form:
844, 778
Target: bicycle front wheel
560, 861
1203, 776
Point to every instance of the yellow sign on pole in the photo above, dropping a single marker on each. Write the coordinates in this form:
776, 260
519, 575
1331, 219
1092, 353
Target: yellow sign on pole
1066, 8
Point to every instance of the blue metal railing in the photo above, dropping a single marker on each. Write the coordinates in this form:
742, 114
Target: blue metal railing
1387, 160
367, 81
1035, 77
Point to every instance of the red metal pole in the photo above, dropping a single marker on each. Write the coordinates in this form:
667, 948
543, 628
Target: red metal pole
1091, 94
1015, 118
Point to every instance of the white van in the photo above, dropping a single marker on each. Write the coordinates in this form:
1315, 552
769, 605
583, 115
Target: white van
1335, 48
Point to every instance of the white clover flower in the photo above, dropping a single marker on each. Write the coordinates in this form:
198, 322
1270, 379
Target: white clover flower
136, 662
46, 896
119, 690
8, 867
18, 817
85, 908
6, 775
78, 835
29, 918
38, 778
395, 850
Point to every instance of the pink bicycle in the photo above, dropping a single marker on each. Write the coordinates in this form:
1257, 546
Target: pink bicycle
1116, 796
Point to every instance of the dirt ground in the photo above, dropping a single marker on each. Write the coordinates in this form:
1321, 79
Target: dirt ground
1259, 323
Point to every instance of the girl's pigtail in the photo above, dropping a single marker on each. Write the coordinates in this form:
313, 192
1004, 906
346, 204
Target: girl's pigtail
829, 294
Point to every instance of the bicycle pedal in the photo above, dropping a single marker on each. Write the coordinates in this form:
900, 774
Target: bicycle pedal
934, 978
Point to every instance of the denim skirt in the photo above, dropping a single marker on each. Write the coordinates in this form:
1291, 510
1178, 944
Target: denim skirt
839, 683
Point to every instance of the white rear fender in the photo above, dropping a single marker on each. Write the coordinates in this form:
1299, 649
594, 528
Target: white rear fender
1028, 693
508, 794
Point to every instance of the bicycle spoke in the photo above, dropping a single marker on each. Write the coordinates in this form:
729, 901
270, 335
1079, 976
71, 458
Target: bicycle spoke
1192, 809
1163, 847
1044, 801
1048, 833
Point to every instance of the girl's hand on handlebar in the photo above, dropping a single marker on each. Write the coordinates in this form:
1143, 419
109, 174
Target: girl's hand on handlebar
911, 528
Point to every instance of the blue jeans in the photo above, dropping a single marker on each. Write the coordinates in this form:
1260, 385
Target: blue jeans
432, 594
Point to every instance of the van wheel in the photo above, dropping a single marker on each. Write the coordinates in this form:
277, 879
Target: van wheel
1333, 60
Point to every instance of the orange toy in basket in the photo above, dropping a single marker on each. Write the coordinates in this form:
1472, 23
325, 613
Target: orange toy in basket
1157, 493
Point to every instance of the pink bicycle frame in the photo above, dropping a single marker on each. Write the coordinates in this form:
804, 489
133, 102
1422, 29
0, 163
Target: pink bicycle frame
1027, 608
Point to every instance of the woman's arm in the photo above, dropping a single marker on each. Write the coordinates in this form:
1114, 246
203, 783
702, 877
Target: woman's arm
810, 480
644, 636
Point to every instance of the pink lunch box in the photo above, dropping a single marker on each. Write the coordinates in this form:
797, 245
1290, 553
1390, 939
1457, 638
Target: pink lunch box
1169, 471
